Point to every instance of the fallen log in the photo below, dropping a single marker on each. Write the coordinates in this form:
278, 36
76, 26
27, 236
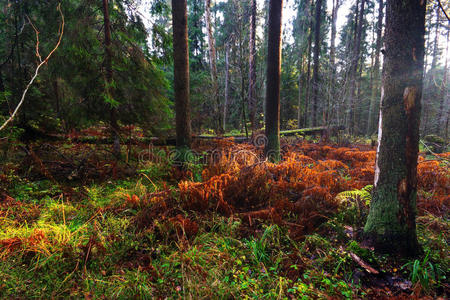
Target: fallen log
313, 131
170, 141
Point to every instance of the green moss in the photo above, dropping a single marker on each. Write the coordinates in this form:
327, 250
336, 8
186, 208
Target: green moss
273, 147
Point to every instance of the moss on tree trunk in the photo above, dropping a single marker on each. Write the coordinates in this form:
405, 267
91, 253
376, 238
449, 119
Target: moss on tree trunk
391, 223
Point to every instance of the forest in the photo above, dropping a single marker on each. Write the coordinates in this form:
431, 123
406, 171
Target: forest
224, 149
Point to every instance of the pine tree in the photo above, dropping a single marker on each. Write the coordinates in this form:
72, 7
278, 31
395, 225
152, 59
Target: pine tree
391, 225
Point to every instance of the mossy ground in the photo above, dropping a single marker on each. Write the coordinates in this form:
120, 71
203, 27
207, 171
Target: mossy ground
99, 239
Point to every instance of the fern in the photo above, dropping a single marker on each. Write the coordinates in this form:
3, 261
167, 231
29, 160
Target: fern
363, 194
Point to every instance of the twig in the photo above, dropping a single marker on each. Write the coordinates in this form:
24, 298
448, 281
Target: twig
435, 154
443, 10
363, 264
42, 62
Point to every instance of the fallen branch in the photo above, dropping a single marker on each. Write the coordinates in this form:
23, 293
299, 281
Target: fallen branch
363, 264
435, 154
41, 63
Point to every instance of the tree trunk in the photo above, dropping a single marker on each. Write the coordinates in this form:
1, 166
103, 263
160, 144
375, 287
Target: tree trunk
334, 14
436, 39
315, 78
242, 72
300, 94
430, 86
354, 66
181, 74
227, 79
272, 150
303, 82
391, 225
376, 72
2, 85
212, 63
57, 97
252, 67
115, 130
443, 90
308, 79
336, 5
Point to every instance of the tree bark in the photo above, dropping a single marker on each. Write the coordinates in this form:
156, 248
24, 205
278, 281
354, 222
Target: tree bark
308, 80
334, 14
2, 85
332, 95
272, 150
315, 78
303, 82
212, 64
391, 225
443, 90
115, 130
57, 97
436, 39
430, 86
252, 67
354, 66
181, 74
227, 88
376, 72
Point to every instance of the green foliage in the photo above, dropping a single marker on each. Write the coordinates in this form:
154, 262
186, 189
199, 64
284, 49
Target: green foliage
72, 87
260, 247
355, 205
356, 196
424, 272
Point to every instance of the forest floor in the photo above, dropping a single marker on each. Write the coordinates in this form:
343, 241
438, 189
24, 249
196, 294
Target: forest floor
74, 222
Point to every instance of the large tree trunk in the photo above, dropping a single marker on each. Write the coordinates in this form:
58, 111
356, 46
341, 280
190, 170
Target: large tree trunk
181, 74
212, 63
376, 71
252, 67
315, 78
391, 225
273, 81
115, 130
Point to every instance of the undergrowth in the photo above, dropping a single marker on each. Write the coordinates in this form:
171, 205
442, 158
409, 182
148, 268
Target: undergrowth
235, 226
